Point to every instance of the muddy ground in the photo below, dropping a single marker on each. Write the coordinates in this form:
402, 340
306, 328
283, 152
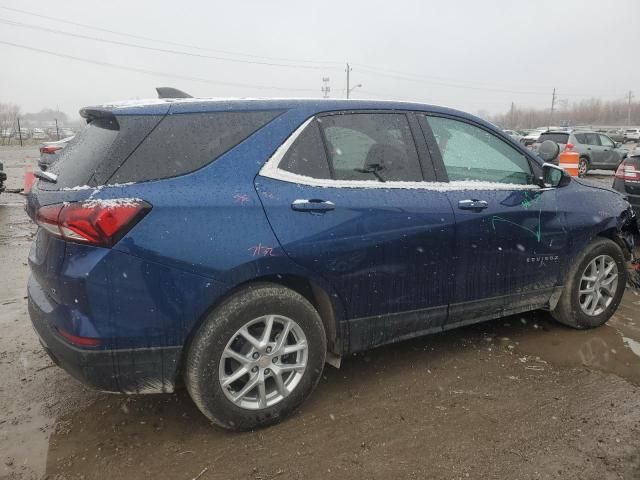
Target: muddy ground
519, 397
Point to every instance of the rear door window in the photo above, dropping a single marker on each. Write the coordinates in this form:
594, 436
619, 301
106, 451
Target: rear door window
183, 143
371, 146
592, 139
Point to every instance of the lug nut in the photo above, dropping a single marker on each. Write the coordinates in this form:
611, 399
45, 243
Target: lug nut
275, 359
255, 355
254, 369
268, 349
267, 371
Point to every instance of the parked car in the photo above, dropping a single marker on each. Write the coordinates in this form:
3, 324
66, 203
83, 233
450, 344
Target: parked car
49, 152
240, 244
627, 179
532, 137
617, 135
597, 150
25, 133
38, 134
632, 134
513, 134
6, 132
3, 178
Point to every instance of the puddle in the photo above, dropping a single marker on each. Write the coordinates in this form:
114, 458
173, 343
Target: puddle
633, 345
613, 348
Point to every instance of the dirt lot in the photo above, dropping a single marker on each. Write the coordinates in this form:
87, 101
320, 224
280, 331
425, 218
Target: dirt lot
519, 397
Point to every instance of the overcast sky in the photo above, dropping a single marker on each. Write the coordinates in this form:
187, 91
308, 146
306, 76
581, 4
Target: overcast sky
472, 55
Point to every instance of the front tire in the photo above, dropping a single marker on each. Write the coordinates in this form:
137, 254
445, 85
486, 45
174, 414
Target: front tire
256, 357
594, 286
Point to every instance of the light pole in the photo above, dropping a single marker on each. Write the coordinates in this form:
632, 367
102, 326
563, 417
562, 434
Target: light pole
353, 88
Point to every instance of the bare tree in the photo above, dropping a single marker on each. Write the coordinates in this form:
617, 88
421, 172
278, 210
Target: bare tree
592, 111
9, 114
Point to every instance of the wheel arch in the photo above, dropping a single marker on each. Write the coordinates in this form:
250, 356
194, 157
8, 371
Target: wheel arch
615, 235
326, 302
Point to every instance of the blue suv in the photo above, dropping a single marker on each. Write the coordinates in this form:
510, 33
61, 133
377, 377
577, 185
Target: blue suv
238, 245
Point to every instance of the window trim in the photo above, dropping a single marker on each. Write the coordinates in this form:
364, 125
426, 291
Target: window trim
271, 169
441, 171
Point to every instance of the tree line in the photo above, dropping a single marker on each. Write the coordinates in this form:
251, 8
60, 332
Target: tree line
593, 111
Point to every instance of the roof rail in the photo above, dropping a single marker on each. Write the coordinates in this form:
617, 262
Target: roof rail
170, 92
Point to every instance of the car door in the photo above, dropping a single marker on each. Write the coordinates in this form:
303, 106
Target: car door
510, 239
594, 149
610, 157
347, 201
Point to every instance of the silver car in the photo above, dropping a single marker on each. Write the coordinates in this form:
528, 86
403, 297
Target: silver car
597, 150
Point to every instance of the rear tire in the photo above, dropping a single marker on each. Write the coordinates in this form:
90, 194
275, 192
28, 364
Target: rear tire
236, 337
571, 310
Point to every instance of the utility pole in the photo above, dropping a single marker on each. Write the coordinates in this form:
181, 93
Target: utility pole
325, 89
19, 131
629, 98
513, 107
553, 106
57, 131
348, 71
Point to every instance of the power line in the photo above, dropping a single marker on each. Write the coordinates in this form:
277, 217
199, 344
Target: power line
153, 72
166, 42
155, 49
395, 74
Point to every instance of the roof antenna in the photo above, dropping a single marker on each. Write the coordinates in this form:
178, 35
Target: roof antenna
170, 92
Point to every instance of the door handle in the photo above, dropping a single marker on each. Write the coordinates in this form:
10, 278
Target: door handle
472, 204
312, 205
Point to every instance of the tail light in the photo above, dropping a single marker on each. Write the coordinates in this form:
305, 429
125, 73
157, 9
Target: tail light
568, 147
78, 340
627, 171
49, 149
97, 222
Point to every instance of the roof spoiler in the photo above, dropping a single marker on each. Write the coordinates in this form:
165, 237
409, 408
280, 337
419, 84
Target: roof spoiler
91, 113
170, 92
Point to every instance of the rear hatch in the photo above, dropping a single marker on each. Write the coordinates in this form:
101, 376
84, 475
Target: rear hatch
81, 169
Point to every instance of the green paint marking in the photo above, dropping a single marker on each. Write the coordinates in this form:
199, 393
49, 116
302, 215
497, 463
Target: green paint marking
536, 232
528, 200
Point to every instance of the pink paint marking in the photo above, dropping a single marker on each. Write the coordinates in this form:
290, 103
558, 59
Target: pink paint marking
261, 251
241, 198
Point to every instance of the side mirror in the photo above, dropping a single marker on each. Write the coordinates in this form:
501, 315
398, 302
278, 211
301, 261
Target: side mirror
553, 176
618, 145
548, 150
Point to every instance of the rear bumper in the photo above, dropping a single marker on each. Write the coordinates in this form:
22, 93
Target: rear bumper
138, 370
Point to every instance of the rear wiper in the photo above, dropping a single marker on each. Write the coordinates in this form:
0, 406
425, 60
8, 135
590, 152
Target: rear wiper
46, 176
374, 169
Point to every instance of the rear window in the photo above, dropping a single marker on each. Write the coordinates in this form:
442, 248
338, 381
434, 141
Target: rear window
183, 143
554, 137
92, 156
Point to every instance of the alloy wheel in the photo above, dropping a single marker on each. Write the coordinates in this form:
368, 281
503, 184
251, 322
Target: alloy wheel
598, 285
263, 362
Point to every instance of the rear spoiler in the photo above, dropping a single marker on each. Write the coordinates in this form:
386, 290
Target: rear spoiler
91, 113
